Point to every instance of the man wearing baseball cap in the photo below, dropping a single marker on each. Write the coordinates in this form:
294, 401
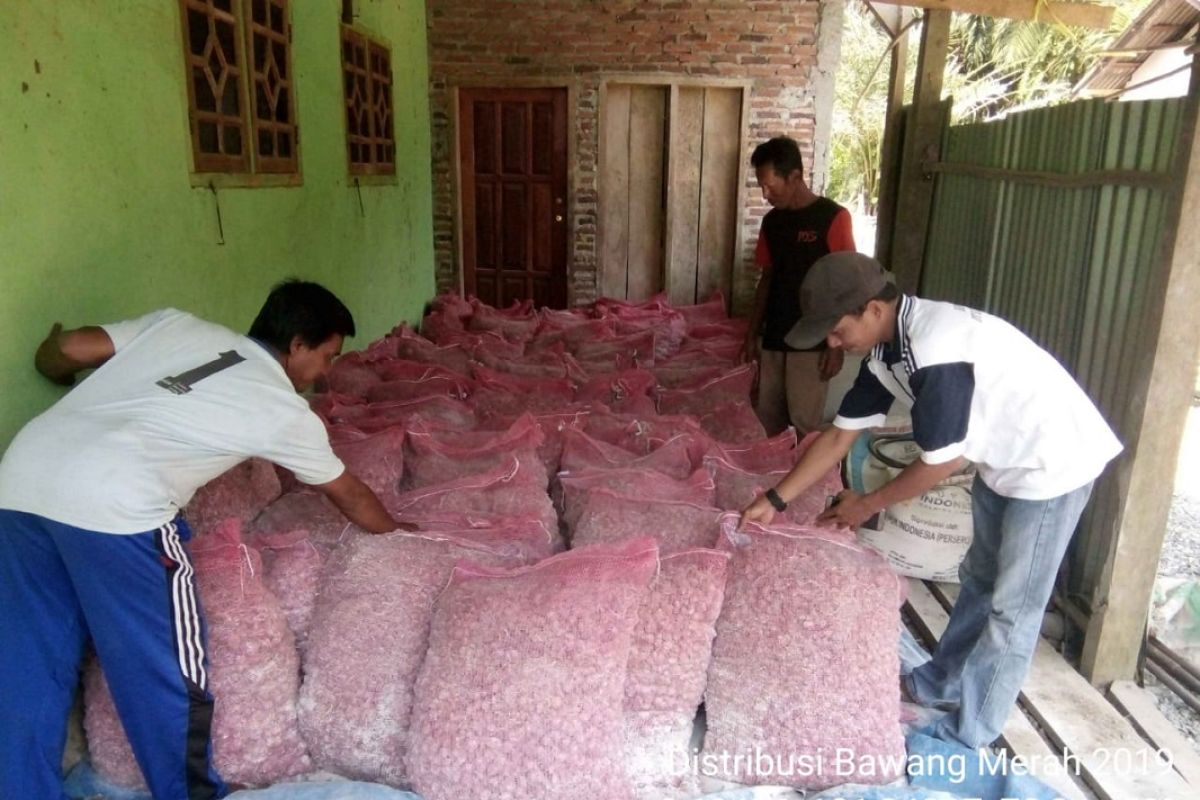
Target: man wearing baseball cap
979, 391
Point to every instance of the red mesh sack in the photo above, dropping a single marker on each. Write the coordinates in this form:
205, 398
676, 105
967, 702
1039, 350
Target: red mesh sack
308, 510
703, 398
737, 488
549, 363
240, 493
293, 566
515, 324
368, 637
526, 535
439, 456
605, 517
499, 394
635, 350
377, 459
625, 392
554, 425
454, 304
506, 708
351, 375
671, 376
780, 452
810, 621
710, 311
514, 488
442, 326
440, 412
648, 484
668, 670
107, 744
585, 330
645, 434
435, 385
253, 671
581, 452
402, 369
734, 423
415, 347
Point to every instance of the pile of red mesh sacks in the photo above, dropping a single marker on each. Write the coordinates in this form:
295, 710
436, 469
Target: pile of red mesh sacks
575, 590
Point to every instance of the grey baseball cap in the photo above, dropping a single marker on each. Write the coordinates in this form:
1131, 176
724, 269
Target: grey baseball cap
836, 285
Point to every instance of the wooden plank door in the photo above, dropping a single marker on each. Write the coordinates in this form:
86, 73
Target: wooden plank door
632, 187
705, 163
513, 163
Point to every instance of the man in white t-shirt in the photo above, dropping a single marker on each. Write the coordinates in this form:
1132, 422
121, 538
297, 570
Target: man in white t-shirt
91, 541
979, 391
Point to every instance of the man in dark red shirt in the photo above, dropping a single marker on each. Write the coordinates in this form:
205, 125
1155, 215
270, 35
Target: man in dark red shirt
800, 228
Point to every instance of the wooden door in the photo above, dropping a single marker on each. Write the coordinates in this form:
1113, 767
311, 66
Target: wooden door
513, 163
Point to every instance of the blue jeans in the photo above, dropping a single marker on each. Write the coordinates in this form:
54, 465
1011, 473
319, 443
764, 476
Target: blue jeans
1007, 578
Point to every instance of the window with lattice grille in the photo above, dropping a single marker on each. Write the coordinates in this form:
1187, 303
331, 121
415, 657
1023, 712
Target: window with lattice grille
367, 84
241, 100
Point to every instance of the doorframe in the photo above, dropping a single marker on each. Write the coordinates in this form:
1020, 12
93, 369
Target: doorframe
674, 83
572, 85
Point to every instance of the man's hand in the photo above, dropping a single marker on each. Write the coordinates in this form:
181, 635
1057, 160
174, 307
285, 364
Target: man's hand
760, 511
62, 354
850, 510
829, 363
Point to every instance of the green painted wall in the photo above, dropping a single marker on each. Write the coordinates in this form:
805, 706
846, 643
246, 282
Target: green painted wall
98, 218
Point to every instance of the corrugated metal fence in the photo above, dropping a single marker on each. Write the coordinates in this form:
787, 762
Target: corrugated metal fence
1053, 219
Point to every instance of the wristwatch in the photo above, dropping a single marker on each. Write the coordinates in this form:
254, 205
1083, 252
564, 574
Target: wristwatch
777, 502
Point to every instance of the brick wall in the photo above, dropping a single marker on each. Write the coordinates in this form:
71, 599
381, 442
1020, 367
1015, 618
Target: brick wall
580, 43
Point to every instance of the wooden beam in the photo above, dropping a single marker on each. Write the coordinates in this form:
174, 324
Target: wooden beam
890, 156
1082, 15
1139, 708
923, 132
1161, 393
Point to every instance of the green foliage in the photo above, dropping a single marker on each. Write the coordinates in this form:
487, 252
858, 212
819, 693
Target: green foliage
995, 67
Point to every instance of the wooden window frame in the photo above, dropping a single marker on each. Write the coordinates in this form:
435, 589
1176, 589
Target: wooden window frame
250, 168
377, 85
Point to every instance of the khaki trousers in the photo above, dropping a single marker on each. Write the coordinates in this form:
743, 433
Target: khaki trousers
790, 391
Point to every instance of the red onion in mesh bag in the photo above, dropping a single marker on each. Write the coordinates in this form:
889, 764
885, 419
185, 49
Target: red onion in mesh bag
733, 423
351, 375
441, 326
648, 484
527, 532
710, 311
548, 363
334, 407
107, 744
644, 434
636, 349
309, 510
401, 369
605, 516
413, 346
810, 621
554, 425
511, 324
730, 387
293, 566
521, 691
672, 457
734, 329
627, 391
781, 451
368, 637
441, 412
481, 343
586, 330
668, 670
703, 352
435, 385
454, 304
239, 493
738, 488
376, 459
668, 375
253, 673
514, 488
437, 456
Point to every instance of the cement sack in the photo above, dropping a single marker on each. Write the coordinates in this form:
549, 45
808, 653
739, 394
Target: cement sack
807, 633
925, 537
521, 692
668, 670
368, 637
606, 517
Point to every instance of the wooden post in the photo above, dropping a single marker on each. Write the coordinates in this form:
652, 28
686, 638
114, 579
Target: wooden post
922, 140
1161, 395
889, 148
